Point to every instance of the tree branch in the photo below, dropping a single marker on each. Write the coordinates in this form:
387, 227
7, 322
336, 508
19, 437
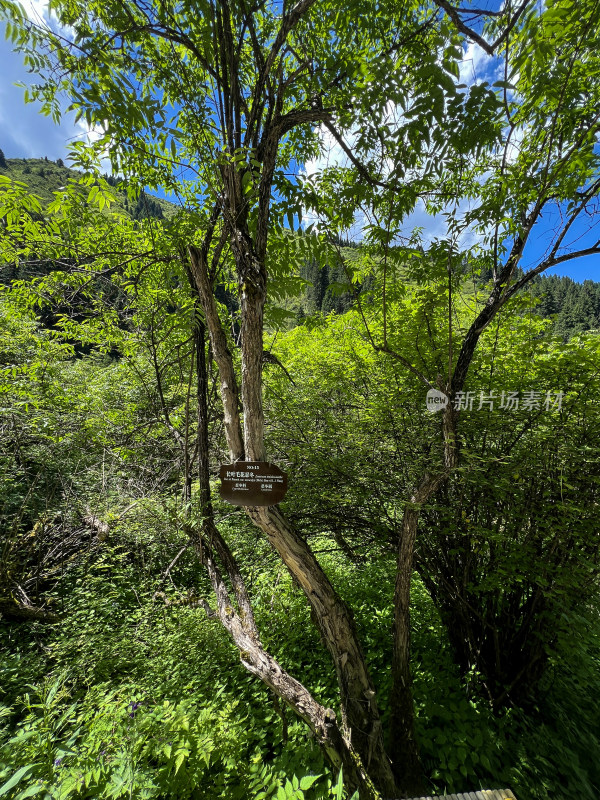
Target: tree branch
490, 49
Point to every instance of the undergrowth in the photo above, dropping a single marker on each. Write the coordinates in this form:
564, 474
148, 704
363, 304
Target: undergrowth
127, 697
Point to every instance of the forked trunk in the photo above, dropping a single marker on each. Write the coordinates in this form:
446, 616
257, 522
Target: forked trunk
359, 746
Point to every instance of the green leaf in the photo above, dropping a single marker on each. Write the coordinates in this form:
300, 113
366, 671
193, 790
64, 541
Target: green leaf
307, 781
16, 778
338, 789
31, 791
179, 761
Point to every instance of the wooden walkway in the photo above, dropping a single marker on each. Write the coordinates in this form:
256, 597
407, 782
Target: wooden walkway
485, 794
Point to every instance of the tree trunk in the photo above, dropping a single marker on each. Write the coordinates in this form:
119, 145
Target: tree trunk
335, 741
403, 747
361, 724
220, 349
360, 714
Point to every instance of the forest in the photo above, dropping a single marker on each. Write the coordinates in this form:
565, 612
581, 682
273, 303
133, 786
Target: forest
305, 238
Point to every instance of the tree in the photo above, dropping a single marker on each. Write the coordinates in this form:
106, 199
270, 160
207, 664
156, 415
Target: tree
3, 164
101, 286
537, 152
507, 550
252, 83
232, 96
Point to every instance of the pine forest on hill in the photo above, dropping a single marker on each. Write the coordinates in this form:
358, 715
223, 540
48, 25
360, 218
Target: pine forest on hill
415, 610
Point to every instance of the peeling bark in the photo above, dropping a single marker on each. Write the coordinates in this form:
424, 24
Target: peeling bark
361, 724
358, 745
96, 524
221, 353
336, 741
360, 714
333, 740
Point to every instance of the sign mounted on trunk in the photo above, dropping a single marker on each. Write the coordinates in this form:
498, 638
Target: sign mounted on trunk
252, 483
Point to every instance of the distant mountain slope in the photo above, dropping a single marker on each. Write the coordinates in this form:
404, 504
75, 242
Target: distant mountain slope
573, 307
43, 177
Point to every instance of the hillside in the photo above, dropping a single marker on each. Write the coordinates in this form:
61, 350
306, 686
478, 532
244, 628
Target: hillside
43, 177
572, 307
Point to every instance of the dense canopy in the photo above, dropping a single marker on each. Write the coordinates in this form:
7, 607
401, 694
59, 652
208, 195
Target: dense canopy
142, 350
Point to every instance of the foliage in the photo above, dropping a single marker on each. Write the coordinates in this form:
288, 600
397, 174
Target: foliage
331, 426
132, 688
218, 108
43, 178
508, 550
119, 717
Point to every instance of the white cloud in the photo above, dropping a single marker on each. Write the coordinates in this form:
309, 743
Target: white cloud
434, 226
84, 133
514, 147
474, 67
36, 10
24, 131
332, 154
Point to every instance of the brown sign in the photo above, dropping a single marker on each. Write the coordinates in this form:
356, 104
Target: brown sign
252, 483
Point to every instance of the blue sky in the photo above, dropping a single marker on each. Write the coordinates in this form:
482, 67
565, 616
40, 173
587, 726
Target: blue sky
25, 133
